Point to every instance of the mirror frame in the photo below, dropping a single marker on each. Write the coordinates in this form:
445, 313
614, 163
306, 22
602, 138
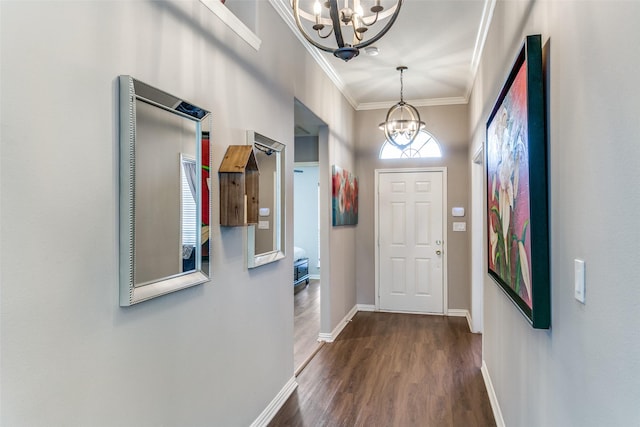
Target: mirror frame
132, 90
278, 149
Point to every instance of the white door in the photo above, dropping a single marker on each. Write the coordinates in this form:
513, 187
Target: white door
411, 247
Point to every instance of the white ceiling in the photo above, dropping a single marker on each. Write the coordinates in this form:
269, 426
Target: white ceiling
439, 41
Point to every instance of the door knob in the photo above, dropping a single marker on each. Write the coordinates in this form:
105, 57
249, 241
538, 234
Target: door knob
438, 252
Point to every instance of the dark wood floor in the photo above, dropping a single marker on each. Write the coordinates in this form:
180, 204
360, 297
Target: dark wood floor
393, 370
306, 323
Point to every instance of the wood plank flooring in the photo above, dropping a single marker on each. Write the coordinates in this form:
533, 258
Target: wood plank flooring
306, 322
388, 369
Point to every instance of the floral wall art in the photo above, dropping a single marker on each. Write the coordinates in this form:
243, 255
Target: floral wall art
517, 217
344, 197
508, 167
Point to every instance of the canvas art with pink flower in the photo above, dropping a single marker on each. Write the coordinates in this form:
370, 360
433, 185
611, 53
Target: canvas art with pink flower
344, 197
508, 190
517, 187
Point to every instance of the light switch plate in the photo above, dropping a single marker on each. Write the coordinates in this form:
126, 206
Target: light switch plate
263, 225
579, 279
459, 226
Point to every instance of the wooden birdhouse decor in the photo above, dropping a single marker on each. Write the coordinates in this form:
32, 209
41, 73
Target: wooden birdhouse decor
238, 175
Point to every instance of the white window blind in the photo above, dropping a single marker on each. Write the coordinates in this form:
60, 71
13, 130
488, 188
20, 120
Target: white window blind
188, 208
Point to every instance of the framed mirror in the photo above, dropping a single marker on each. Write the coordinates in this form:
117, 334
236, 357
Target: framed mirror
164, 192
265, 240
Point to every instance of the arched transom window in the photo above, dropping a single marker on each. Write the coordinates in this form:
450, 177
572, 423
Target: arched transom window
425, 145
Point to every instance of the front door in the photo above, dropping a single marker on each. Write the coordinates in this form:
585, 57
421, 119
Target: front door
411, 244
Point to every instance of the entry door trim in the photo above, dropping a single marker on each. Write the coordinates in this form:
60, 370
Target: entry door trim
445, 297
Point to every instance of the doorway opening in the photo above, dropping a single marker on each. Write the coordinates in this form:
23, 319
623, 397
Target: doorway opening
310, 150
477, 240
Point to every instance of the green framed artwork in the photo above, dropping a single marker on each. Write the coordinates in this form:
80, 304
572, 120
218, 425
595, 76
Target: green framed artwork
517, 194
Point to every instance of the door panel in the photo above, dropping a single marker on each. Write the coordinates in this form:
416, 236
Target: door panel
410, 230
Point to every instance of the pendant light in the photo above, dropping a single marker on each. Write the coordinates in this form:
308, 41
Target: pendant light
402, 123
348, 24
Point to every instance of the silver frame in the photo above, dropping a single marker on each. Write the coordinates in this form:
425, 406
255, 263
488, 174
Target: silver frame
256, 260
129, 293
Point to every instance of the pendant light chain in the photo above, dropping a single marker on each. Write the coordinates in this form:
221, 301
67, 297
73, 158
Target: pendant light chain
401, 86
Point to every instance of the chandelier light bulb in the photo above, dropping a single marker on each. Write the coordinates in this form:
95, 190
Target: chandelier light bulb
347, 23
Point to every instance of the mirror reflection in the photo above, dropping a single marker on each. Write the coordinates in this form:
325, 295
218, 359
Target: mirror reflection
188, 223
164, 192
265, 239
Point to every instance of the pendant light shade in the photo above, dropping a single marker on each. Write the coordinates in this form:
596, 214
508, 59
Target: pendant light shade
402, 123
352, 29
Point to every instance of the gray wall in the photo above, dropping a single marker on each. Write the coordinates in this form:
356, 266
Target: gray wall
215, 354
306, 149
449, 125
584, 371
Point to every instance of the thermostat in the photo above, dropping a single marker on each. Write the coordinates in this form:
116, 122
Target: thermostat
457, 211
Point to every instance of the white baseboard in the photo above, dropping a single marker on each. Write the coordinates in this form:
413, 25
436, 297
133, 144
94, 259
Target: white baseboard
334, 334
314, 276
455, 312
366, 307
270, 411
493, 399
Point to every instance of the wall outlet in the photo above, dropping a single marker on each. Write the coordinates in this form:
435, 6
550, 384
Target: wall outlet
579, 279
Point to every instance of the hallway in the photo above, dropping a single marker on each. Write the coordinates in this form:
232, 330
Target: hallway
388, 369
306, 322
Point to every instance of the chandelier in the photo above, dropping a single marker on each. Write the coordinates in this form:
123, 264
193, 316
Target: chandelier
403, 123
348, 24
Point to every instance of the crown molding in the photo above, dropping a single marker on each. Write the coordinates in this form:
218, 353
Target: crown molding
456, 100
481, 38
283, 7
